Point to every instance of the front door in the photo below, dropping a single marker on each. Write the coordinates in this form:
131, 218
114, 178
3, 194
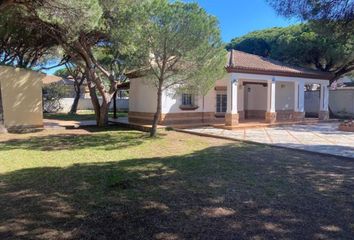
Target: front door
221, 103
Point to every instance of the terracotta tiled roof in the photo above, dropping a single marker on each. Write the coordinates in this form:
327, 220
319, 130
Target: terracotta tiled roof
48, 79
249, 63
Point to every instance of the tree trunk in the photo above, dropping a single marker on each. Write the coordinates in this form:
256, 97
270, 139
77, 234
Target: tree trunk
94, 101
103, 121
203, 110
73, 109
153, 130
95, 82
340, 73
106, 102
115, 105
77, 88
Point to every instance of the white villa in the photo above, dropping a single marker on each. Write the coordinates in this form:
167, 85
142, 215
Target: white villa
254, 88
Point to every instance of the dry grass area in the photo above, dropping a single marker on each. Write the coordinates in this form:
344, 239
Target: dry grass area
120, 184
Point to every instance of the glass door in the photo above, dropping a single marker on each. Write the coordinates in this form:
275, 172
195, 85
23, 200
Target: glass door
221, 103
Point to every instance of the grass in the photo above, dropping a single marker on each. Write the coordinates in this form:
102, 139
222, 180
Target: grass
83, 115
120, 184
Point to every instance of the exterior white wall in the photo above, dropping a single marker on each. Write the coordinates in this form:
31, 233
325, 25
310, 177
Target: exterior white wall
240, 97
255, 97
284, 96
341, 101
171, 101
142, 96
86, 104
223, 83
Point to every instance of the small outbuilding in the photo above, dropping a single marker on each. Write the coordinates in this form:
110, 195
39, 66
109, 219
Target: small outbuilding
20, 98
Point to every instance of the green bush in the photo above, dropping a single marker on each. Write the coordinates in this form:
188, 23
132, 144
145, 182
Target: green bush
52, 94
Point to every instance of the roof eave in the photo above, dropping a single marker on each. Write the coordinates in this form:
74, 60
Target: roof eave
326, 76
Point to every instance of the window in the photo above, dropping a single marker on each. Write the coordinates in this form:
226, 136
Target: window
187, 99
221, 102
188, 102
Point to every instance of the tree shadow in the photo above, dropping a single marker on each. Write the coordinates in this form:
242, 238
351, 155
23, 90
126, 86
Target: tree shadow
224, 192
100, 140
339, 150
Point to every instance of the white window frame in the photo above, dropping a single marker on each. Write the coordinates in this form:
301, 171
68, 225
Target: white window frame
187, 99
222, 93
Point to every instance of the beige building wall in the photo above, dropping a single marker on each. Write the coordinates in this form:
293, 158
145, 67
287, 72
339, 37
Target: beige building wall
21, 92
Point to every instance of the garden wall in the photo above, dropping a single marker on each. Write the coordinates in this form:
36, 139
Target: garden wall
341, 102
86, 104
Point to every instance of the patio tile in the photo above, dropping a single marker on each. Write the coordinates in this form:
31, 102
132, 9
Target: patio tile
322, 138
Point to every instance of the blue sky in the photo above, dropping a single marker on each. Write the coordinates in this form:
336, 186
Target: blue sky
238, 17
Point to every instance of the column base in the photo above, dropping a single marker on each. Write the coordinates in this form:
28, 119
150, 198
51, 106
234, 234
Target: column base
323, 115
271, 117
298, 116
231, 119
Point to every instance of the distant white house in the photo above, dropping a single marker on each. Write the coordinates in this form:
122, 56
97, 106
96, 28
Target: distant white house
68, 85
254, 88
345, 81
122, 100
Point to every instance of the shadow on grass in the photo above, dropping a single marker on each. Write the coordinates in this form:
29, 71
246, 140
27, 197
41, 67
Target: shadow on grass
340, 150
225, 192
100, 140
90, 116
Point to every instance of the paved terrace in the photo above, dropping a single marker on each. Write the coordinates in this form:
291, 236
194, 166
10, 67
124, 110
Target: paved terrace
321, 137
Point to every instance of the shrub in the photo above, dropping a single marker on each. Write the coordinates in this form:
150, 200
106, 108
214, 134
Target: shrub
52, 94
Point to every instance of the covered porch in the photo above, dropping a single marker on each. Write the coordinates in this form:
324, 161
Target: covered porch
261, 91
269, 99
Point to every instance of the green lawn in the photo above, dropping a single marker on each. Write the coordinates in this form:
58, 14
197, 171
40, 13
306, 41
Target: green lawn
120, 184
83, 115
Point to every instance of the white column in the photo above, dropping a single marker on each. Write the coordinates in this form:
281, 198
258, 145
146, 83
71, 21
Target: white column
241, 94
324, 98
232, 95
271, 96
300, 97
296, 96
